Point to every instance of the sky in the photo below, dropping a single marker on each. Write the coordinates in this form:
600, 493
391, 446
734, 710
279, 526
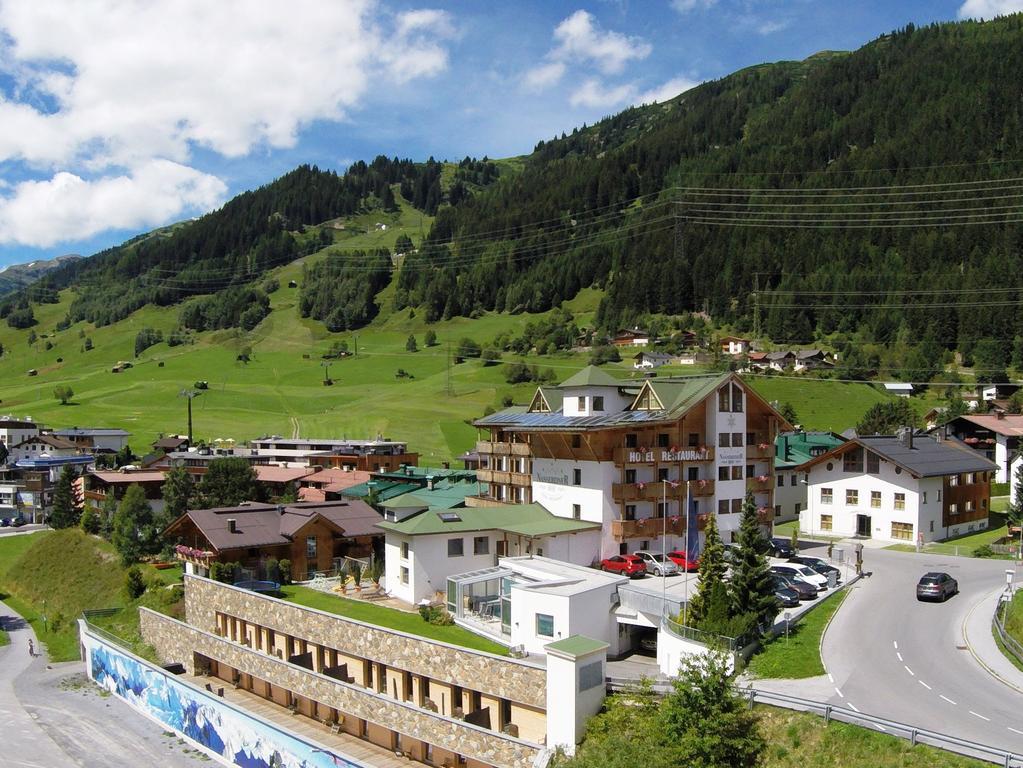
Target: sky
119, 116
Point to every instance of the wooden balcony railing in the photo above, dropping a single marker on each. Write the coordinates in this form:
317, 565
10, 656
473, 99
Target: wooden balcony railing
650, 527
765, 515
485, 447
655, 490
760, 451
760, 485
502, 477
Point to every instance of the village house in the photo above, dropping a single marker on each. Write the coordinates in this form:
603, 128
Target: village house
631, 337
791, 450
650, 360
96, 487
42, 445
734, 346
904, 488
95, 440
995, 436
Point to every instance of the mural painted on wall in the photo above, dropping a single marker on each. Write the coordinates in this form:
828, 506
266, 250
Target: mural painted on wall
242, 740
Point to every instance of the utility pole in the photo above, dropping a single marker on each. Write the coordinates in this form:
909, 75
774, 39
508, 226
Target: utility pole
756, 306
447, 385
190, 394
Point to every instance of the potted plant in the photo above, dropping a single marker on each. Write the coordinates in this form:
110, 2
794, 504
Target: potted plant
376, 571
355, 570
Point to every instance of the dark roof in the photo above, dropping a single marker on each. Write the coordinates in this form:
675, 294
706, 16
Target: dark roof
50, 440
261, 525
170, 443
91, 432
928, 456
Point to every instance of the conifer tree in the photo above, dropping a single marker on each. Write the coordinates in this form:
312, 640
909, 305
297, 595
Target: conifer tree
710, 592
752, 589
65, 513
134, 533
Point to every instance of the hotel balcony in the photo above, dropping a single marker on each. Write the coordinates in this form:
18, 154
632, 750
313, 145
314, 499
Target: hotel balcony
503, 478
763, 484
485, 447
647, 528
760, 451
628, 456
655, 490
765, 515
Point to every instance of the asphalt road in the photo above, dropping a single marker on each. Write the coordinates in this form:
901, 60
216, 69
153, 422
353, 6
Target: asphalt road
889, 655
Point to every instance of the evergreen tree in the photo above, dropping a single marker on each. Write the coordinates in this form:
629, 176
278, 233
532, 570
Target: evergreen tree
410, 345
178, 490
133, 530
107, 513
710, 594
227, 482
751, 589
788, 413
65, 513
886, 417
430, 339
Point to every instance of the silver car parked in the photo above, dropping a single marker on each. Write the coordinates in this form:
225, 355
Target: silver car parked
657, 564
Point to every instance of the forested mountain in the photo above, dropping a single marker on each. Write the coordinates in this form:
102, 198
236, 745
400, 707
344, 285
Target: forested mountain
17, 276
871, 199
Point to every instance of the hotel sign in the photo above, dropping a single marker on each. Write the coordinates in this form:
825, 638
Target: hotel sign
553, 479
690, 454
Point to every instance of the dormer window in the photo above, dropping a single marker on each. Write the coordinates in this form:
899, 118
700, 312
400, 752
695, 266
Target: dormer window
582, 403
724, 400
598, 403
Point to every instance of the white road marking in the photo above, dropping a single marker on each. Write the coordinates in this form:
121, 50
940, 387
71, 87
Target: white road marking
853, 707
909, 670
880, 727
975, 714
899, 655
831, 677
896, 644
1014, 730
946, 698
839, 692
925, 685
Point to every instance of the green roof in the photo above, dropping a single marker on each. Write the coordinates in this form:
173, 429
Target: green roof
794, 448
576, 645
554, 397
680, 395
421, 473
591, 376
385, 489
530, 520
445, 495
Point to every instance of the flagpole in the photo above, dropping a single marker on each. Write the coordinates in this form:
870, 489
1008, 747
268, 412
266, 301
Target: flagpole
685, 588
664, 550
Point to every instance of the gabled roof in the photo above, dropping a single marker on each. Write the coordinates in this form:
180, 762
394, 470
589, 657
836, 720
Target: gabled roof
793, 449
128, 478
91, 432
782, 354
384, 489
170, 443
928, 457
592, 376
54, 442
652, 356
1010, 425
267, 473
530, 520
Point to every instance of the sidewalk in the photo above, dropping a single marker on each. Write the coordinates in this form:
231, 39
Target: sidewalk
26, 743
978, 636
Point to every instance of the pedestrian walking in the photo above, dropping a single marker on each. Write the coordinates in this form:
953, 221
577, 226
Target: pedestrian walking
31, 648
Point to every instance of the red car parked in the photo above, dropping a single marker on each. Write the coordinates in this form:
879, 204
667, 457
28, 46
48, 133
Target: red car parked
683, 561
627, 565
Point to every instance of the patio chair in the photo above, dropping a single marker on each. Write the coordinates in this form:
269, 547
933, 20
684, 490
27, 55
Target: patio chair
209, 687
220, 692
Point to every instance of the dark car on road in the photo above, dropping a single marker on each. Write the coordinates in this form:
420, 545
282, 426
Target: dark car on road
626, 565
781, 548
819, 565
787, 596
936, 586
805, 590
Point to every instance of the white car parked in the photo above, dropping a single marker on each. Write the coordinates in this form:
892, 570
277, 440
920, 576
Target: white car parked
657, 564
803, 573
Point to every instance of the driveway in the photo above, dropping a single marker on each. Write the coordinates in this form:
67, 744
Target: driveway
53, 716
889, 655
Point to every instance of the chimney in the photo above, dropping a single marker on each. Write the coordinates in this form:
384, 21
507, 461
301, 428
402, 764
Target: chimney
905, 435
999, 415
430, 482
280, 509
232, 525
446, 464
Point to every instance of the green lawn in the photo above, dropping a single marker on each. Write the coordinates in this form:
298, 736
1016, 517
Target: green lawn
402, 621
964, 546
821, 404
798, 655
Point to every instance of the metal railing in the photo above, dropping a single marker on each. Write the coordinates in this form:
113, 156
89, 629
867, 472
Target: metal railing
704, 638
998, 624
914, 734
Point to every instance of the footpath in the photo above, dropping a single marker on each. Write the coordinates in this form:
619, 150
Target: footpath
978, 637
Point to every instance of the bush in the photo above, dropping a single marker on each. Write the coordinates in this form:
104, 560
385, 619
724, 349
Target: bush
605, 354
285, 566
468, 348
90, 522
223, 572
134, 583
436, 615
984, 550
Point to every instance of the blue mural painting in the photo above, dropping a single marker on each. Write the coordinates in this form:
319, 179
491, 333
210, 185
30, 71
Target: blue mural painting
206, 720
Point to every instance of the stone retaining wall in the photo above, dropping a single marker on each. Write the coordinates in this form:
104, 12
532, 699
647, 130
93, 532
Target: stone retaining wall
175, 641
506, 678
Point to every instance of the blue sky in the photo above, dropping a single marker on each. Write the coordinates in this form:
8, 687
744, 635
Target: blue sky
118, 116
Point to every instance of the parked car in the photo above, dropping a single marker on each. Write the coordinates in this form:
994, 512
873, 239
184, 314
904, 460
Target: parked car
684, 561
787, 596
936, 585
17, 522
807, 574
781, 548
626, 565
656, 563
805, 590
821, 566
4, 522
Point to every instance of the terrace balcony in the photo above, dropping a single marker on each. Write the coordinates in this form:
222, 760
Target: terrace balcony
486, 447
503, 478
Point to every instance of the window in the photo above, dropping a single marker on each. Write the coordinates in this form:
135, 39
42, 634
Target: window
404, 550
938, 492
581, 404
852, 460
777, 510
983, 504
662, 473
577, 477
694, 439
873, 463
781, 481
722, 506
825, 522
923, 497
953, 509
900, 501
577, 441
971, 478
724, 401
722, 473
630, 512
852, 497
932, 526
454, 547
577, 512
902, 531
724, 440
403, 575
737, 395
737, 439
969, 506
663, 440
598, 402
630, 476
751, 438
544, 625
480, 545
662, 509
736, 506
826, 495
631, 440
750, 470
875, 499
737, 473
310, 548
797, 508
953, 480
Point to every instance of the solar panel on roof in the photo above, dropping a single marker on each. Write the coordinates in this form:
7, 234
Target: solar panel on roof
449, 517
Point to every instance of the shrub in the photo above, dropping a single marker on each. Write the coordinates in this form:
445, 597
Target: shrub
984, 550
436, 615
285, 566
273, 570
90, 522
223, 572
134, 583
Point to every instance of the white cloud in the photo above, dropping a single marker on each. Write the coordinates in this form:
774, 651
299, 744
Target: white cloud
666, 91
108, 85
594, 94
685, 6
580, 40
988, 9
770, 27
67, 207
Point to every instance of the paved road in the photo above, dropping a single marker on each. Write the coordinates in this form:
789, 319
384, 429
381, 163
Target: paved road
889, 655
51, 716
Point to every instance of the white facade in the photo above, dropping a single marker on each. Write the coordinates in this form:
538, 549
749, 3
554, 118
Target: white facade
593, 401
789, 494
854, 508
734, 346
1017, 462
34, 448
14, 432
